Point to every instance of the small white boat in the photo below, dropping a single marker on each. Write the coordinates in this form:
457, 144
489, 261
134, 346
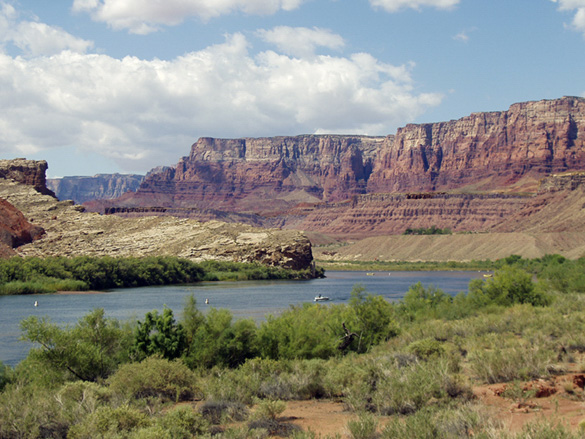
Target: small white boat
321, 298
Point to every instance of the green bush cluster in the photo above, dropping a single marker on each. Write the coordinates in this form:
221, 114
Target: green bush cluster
48, 275
433, 230
222, 271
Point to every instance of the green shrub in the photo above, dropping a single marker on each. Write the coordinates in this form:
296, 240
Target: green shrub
159, 334
184, 422
154, 377
545, 429
25, 287
109, 422
468, 420
218, 411
420, 302
269, 409
5, 375
509, 360
80, 398
218, 342
30, 412
508, 286
426, 348
90, 350
301, 332
365, 427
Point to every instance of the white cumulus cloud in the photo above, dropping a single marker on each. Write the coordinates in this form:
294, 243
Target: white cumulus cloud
34, 38
396, 5
145, 16
301, 41
142, 113
578, 6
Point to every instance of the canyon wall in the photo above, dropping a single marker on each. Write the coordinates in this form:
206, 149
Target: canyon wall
82, 189
263, 174
485, 150
356, 186
499, 151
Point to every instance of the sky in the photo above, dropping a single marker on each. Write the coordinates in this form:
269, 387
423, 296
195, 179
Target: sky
105, 86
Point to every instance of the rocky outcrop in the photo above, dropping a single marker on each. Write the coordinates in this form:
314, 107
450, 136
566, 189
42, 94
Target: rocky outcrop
100, 186
29, 172
71, 231
15, 230
557, 207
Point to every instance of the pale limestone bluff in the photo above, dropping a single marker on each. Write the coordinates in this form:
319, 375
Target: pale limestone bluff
100, 186
70, 231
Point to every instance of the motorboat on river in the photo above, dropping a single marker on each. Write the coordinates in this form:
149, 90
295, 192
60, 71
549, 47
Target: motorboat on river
321, 298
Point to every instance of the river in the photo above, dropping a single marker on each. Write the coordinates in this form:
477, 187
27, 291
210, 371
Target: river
250, 299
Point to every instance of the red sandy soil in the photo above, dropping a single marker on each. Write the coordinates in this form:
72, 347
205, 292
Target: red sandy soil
558, 399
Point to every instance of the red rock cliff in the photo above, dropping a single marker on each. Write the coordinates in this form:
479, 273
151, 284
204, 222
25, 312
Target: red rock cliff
15, 230
265, 173
492, 150
507, 151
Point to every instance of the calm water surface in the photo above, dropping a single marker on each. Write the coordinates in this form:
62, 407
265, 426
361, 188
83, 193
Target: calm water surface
254, 299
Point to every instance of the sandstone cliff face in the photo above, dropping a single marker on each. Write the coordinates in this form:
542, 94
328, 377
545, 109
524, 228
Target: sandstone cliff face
354, 186
30, 172
265, 174
100, 186
485, 150
505, 151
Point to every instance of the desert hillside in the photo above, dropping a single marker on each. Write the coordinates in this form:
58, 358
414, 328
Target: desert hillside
71, 231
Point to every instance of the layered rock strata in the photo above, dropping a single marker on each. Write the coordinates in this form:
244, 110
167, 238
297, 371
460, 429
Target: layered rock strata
312, 182
485, 150
392, 214
262, 175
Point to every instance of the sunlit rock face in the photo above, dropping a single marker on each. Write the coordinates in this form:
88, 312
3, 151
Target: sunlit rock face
29, 172
263, 174
478, 169
485, 150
